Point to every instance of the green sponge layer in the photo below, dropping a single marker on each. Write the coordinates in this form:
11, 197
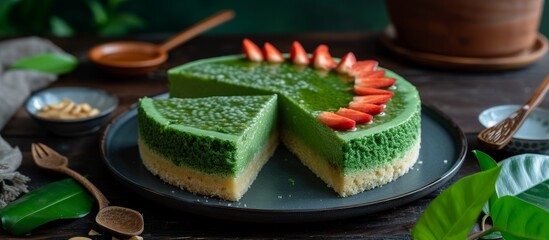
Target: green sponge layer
217, 135
303, 92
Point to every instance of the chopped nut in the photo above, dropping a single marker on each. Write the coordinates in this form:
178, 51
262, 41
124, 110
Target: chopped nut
79, 238
93, 233
67, 109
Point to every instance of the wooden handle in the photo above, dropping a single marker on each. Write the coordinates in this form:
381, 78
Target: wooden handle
196, 29
499, 135
539, 94
101, 199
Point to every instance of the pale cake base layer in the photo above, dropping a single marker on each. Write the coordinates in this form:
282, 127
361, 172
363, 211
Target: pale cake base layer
350, 184
197, 182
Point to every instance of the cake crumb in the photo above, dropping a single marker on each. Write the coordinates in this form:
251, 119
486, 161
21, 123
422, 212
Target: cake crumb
279, 197
445, 161
419, 162
245, 205
292, 181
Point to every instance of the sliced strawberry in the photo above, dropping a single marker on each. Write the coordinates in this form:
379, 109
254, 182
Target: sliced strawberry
271, 54
368, 108
298, 55
363, 67
322, 58
373, 99
358, 116
372, 74
344, 66
252, 51
375, 82
336, 122
362, 91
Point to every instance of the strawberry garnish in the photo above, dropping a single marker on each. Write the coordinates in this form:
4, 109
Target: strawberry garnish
298, 54
363, 67
372, 74
252, 51
358, 116
344, 66
375, 82
373, 99
322, 58
335, 121
361, 90
368, 108
271, 54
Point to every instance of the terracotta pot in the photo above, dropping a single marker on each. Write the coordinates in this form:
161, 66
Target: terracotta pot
468, 28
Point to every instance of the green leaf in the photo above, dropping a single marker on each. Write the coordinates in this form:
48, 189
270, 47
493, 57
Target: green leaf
518, 219
453, 213
60, 28
59, 200
486, 162
5, 7
114, 4
527, 177
56, 63
99, 14
121, 24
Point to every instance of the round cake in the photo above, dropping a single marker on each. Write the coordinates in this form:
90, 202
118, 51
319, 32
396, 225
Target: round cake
315, 119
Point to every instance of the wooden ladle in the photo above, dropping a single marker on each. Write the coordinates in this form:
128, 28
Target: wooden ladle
119, 220
135, 58
499, 135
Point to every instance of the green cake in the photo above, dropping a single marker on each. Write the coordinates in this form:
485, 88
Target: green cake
212, 146
352, 157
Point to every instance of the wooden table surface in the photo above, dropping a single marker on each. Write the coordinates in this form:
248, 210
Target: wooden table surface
461, 95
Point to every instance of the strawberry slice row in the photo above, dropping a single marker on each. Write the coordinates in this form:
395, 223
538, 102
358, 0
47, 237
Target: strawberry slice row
370, 83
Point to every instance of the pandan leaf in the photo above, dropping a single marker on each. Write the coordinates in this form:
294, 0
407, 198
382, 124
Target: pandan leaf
56, 63
58, 200
453, 213
527, 177
518, 219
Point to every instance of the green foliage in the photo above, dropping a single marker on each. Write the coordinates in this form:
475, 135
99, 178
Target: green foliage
59, 200
518, 219
519, 210
527, 177
45, 17
55, 63
453, 213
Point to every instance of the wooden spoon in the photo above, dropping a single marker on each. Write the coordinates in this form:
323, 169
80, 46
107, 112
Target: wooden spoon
119, 220
134, 58
499, 135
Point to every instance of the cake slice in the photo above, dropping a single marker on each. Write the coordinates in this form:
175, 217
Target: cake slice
212, 146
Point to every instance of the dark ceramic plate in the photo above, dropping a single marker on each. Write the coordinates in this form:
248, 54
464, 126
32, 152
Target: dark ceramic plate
285, 190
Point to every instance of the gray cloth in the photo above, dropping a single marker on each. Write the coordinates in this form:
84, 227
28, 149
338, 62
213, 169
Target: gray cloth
15, 86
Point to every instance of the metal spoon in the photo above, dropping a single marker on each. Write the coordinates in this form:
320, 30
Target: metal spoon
119, 220
499, 135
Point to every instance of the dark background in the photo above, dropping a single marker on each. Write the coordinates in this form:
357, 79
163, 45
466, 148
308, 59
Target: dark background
119, 17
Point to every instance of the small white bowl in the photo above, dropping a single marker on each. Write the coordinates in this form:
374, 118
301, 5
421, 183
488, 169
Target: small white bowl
532, 136
96, 98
